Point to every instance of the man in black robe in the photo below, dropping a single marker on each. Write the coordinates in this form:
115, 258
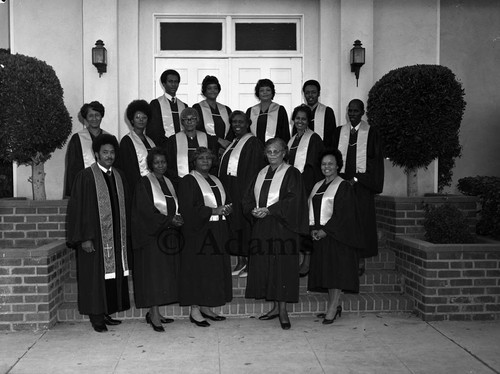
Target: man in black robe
97, 229
361, 148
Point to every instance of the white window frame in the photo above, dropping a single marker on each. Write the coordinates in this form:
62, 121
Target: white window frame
228, 35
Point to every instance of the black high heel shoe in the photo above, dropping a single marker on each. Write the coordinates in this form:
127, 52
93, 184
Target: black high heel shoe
285, 325
198, 323
337, 313
156, 328
213, 318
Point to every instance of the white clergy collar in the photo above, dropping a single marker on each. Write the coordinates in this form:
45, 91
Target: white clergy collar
104, 169
167, 96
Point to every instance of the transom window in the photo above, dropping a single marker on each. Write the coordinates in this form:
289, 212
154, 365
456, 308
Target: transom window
235, 35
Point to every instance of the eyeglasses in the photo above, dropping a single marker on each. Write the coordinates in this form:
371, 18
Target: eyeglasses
274, 152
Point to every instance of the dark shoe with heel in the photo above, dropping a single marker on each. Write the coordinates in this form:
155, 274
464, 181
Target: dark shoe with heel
330, 321
268, 317
156, 328
98, 327
285, 325
166, 320
213, 318
110, 321
198, 323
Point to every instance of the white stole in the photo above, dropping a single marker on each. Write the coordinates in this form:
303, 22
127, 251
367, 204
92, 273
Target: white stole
183, 152
234, 157
274, 190
208, 117
159, 200
167, 115
361, 145
319, 120
86, 144
303, 146
327, 201
141, 151
208, 194
272, 120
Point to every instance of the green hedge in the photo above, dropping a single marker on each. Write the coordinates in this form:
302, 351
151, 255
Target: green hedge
488, 190
445, 224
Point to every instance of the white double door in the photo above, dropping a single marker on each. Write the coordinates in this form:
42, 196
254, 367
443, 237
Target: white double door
237, 77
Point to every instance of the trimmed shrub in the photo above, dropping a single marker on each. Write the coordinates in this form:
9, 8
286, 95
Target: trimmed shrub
418, 110
445, 224
488, 190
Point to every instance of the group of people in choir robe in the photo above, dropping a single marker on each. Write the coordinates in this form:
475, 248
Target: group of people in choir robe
201, 184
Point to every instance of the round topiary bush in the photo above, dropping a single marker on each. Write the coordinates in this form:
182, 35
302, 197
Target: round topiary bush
445, 224
33, 118
418, 110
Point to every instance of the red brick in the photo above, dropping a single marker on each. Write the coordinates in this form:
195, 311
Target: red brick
24, 308
449, 274
474, 273
4, 243
11, 317
493, 273
25, 243
25, 326
14, 234
447, 308
493, 290
36, 219
37, 261
23, 289
36, 298
437, 265
449, 256
460, 282
57, 219
57, 234
474, 255
38, 317
11, 280
7, 219
484, 299
6, 211
10, 299
36, 234
461, 264
5, 308
4, 271
25, 226
35, 279
48, 226
486, 264
448, 291
23, 270
485, 282
47, 210
6, 226
473, 291
483, 317
493, 307
460, 300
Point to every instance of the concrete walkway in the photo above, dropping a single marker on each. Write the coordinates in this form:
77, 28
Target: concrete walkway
366, 343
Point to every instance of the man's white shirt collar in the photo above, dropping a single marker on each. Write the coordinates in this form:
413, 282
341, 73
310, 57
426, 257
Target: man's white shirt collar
104, 169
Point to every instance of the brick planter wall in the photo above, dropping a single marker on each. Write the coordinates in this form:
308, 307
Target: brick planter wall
451, 281
446, 282
30, 223
32, 285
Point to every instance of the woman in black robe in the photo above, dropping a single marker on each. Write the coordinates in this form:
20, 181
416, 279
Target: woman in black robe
336, 236
305, 148
277, 201
155, 240
135, 146
205, 276
239, 165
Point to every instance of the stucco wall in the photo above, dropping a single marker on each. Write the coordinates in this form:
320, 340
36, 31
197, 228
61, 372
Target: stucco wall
51, 31
470, 47
4, 25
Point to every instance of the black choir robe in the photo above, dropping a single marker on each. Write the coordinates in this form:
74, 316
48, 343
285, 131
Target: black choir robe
219, 125
205, 275
128, 161
74, 161
282, 126
369, 184
96, 295
156, 245
334, 259
312, 170
328, 127
251, 161
155, 129
172, 170
273, 261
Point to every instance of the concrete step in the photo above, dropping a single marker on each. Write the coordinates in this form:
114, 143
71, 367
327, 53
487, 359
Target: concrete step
308, 304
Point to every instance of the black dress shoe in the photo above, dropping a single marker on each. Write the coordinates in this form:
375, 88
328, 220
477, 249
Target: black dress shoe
285, 325
267, 317
110, 321
199, 323
327, 321
156, 328
166, 320
99, 327
213, 318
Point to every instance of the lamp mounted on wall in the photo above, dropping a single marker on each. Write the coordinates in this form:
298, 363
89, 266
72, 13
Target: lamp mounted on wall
100, 57
357, 59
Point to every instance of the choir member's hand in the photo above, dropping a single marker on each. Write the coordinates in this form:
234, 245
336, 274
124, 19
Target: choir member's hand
260, 212
320, 234
88, 246
224, 143
219, 211
228, 209
177, 220
314, 234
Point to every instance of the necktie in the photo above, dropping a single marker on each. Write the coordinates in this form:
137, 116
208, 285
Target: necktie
353, 131
174, 100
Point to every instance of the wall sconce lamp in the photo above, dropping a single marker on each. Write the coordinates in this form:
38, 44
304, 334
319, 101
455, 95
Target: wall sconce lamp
100, 57
357, 59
